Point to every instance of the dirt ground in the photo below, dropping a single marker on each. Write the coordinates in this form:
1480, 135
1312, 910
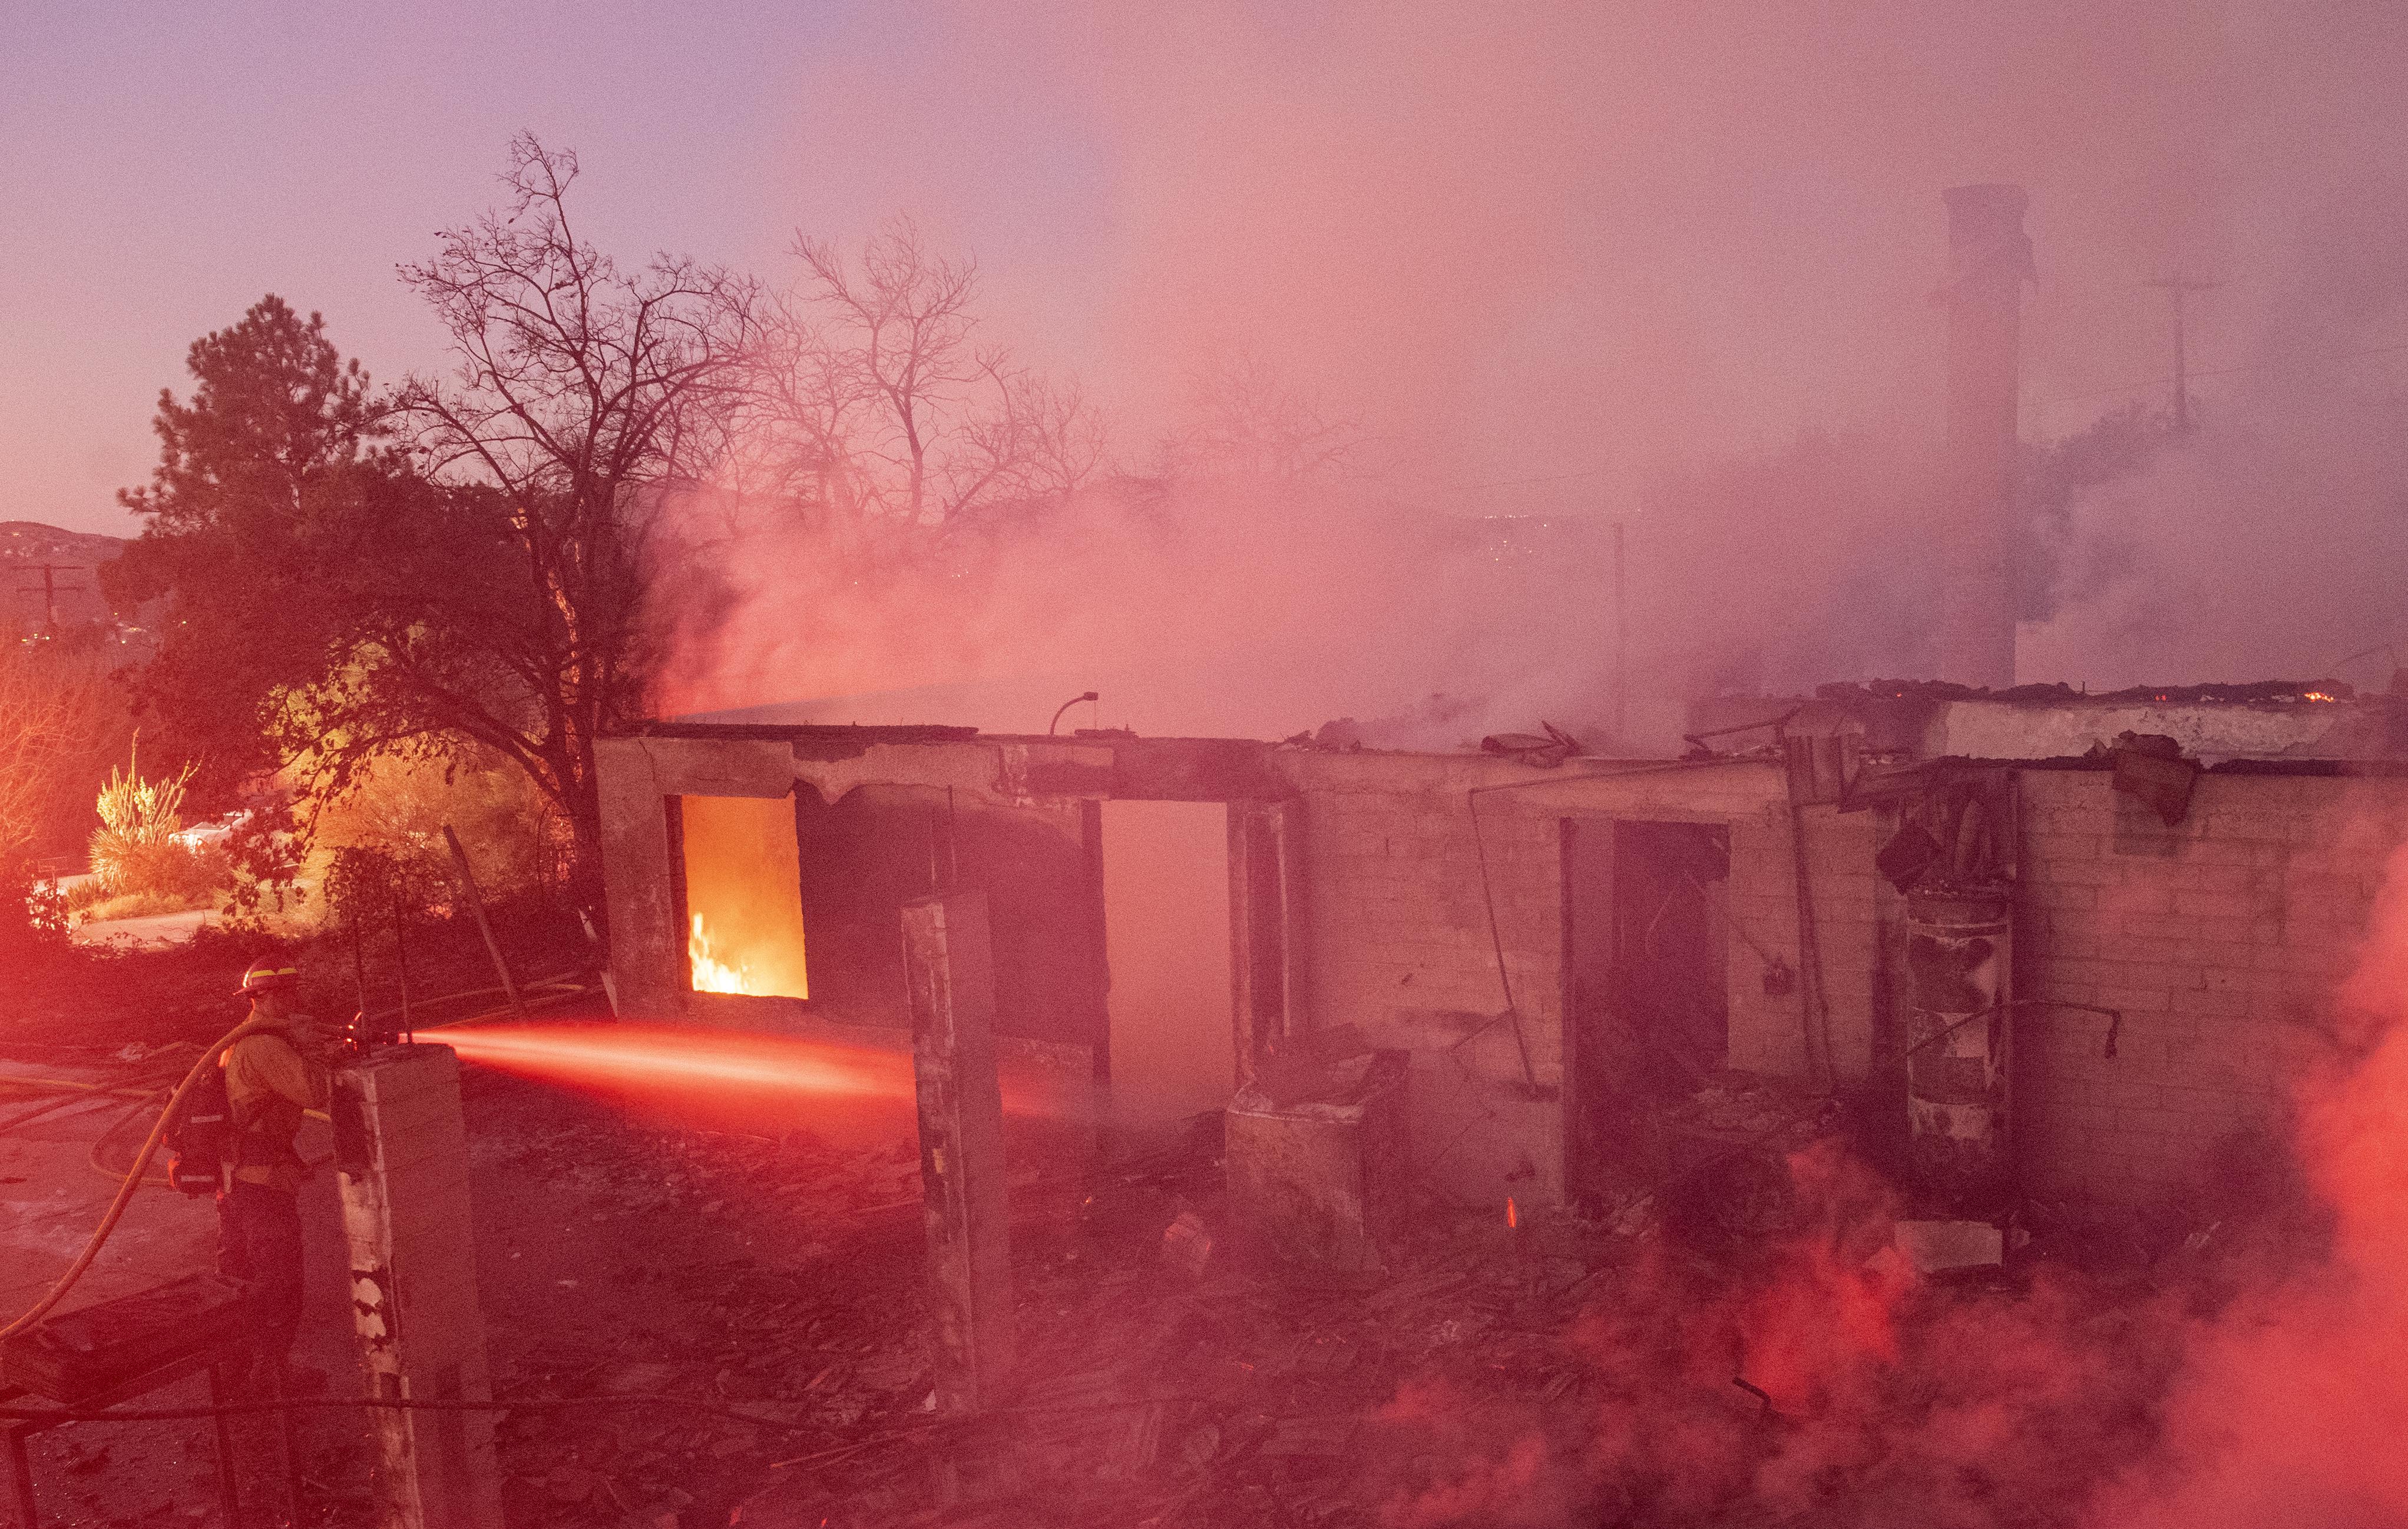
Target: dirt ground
617, 1253
772, 1264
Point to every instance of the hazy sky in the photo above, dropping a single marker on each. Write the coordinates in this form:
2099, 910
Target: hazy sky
161, 166
1557, 241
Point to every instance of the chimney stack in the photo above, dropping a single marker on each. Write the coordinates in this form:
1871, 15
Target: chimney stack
1989, 258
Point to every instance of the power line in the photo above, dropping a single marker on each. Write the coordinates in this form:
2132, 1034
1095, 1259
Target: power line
2304, 365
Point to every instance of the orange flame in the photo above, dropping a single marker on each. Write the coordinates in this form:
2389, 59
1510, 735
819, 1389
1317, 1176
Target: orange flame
744, 931
710, 974
1513, 1217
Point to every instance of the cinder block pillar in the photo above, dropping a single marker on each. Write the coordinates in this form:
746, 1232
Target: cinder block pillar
948, 963
403, 1153
1267, 932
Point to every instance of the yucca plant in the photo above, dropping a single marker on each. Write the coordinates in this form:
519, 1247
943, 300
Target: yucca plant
134, 848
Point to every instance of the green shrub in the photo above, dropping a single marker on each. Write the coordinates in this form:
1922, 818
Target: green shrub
33, 912
161, 878
46, 914
133, 905
138, 865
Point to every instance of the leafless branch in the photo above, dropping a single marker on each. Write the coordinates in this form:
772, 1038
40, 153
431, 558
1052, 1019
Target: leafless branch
876, 401
583, 393
1248, 422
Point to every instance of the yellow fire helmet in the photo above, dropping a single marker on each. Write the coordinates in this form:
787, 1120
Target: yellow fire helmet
267, 975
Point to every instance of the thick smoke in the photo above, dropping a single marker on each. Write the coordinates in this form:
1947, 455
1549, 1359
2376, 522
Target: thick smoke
2288, 1402
2267, 543
1671, 265
1237, 611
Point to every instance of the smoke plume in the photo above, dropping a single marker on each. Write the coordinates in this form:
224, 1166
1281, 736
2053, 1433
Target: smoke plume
1666, 264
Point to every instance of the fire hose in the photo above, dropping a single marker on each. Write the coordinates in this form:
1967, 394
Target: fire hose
145, 1098
133, 1177
537, 1404
138, 1170
398, 1403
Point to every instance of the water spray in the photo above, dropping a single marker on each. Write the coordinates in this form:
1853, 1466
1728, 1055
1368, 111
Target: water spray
649, 1058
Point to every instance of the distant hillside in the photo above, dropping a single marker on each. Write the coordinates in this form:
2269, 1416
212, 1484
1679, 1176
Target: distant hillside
26, 546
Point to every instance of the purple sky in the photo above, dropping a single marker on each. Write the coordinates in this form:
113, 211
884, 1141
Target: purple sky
166, 165
1560, 239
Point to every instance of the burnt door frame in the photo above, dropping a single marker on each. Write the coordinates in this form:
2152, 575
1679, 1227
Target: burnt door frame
1606, 1058
1679, 1053
1266, 930
680, 947
1587, 868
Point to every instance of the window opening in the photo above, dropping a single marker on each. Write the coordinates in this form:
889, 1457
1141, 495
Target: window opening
743, 897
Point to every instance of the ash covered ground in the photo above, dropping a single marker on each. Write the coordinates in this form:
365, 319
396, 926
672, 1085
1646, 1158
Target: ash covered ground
1562, 1372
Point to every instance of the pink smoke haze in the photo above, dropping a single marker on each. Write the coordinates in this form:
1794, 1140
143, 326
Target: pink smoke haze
1672, 266
2289, 1405
1665, 264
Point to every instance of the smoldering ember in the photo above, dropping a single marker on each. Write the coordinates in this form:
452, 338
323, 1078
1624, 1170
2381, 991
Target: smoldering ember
1544, 766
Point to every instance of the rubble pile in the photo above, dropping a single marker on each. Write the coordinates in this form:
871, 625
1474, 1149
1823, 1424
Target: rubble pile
1158, 1381
1157, 1395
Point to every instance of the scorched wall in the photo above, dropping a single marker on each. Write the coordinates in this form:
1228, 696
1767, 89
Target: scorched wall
2222, 940
1400, 948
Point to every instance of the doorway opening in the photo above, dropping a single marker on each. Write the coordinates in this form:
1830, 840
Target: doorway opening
1646, 984
1165, 876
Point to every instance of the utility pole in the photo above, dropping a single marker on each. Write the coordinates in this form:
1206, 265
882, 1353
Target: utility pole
49, 572
2181, 288
1621, 644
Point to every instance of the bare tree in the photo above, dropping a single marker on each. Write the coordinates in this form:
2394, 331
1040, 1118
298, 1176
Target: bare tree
884, 405
1039, 441
58, 717
36, 723
584, 395
1247, 421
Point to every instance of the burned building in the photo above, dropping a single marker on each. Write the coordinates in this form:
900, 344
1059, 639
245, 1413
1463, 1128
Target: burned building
2087, 940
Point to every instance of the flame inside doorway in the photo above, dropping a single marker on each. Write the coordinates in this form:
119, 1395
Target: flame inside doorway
710, 974
743, 895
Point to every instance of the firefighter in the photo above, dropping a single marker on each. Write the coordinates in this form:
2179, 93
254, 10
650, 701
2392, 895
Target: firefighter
272, 1076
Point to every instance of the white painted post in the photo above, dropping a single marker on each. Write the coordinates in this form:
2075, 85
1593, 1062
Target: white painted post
402, 1149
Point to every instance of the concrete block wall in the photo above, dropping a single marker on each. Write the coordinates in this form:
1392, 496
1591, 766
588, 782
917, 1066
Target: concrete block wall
1395, 877
1401, 949
2222, 940
1768, 1031
402, 1152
